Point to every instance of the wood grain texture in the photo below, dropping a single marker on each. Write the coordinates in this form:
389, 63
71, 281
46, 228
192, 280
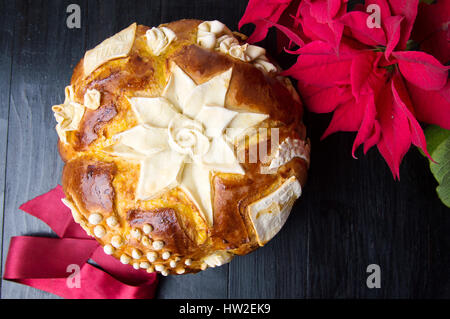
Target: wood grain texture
6, 39
358, 215
45, 51
351, 214
105, 18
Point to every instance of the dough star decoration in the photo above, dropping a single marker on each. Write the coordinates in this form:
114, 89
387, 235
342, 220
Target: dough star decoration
171, 142
183, 136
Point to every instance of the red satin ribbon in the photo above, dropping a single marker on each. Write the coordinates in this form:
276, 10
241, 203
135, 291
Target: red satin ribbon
42, 262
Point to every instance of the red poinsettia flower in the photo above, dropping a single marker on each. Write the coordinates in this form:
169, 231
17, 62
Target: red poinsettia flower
367, 78
319, 20
263, 14
307, 19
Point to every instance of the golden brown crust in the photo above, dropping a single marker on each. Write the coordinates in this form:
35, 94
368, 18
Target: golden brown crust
92, 125
251, 89
166, 227
97, 183
90, 184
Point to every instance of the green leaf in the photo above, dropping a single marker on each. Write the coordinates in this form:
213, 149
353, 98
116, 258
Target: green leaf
438, 145
435, 135
443, 190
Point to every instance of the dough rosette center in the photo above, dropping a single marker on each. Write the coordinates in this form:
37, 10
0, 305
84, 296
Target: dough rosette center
187, 137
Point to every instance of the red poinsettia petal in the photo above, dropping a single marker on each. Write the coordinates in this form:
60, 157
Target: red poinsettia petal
260, 32
403, 101
288, 32
422, 70
407, 9
316, 48
384, 7
431, 107
431, 18
392, 29
431, 29
356, 21
395, 137
262, 9
337, 30
335, 7
346, 118
318, 10
366, 74
325, 10
348, 48
367, 103
374, 137
330, 32
437, 45
392, 159
445, 93
286, 20
361, 69
367, 80
320, 69
323, 100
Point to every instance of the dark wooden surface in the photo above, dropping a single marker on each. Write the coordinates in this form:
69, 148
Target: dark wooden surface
351, 214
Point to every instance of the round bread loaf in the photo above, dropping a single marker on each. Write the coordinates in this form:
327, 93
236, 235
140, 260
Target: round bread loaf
183, 146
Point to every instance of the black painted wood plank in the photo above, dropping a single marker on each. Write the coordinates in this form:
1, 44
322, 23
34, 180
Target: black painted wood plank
45, 52
277, 270
212, 283
107, 17
6, 38
228, 12
358, 215
439, 256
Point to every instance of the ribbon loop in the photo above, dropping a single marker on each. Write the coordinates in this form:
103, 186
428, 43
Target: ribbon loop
60, 265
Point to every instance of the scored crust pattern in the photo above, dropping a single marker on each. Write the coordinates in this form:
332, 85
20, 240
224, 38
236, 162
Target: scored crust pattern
157, 133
